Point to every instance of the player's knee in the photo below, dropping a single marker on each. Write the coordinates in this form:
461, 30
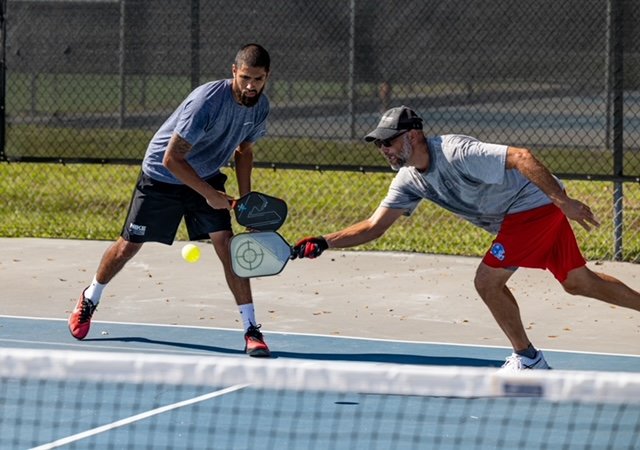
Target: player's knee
483, 284
486, 283
220, 241
483, 289
578, 282
572, 287
126, 250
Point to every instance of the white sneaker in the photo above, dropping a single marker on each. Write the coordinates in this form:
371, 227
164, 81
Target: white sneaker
517, 362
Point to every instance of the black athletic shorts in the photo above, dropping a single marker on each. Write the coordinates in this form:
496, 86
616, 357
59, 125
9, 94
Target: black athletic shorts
157, 208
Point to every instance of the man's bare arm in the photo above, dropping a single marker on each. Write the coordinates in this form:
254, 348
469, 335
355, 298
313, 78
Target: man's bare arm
243, 158
175, 159
528, 165
364, 231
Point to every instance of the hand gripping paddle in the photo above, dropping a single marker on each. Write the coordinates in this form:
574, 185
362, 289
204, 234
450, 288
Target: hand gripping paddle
259, 211
259, 254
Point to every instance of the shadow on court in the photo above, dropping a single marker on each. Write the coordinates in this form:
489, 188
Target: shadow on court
351, 357
183, 345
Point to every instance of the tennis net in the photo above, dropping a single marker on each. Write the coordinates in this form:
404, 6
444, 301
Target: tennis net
101, 400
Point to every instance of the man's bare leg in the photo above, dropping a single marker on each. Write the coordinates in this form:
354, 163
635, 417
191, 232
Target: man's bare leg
240, 287
491, 284
115, 258
585, 282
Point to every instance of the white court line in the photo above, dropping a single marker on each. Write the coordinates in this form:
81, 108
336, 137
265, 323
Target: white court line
137, 417
88, 346
293, 333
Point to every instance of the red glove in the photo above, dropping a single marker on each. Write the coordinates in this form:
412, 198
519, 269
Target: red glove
309, 247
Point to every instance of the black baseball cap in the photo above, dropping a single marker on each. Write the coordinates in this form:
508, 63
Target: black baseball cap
394, 122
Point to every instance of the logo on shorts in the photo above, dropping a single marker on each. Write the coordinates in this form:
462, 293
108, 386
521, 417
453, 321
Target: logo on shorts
138, 230
498, 251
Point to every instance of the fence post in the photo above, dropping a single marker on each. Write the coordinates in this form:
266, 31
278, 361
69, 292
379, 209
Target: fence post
195, 44
3, 77
616, 96
352, 69
121, 67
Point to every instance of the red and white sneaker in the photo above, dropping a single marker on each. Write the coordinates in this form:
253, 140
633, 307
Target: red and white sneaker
254, 343
80, 318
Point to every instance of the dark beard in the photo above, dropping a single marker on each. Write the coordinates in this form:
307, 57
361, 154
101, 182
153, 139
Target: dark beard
248, 101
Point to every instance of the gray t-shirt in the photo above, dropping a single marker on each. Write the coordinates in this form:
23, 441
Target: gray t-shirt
213, 123
468, 178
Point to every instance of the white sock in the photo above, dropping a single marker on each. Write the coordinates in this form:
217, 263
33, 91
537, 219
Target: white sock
94, 291
248, 315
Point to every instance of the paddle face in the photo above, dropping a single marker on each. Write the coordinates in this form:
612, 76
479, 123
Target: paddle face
259, 254
260, 212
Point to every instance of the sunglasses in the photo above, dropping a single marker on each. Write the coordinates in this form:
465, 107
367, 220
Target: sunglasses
387, 142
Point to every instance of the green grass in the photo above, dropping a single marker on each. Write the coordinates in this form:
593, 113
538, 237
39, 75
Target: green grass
100, 143
90, 201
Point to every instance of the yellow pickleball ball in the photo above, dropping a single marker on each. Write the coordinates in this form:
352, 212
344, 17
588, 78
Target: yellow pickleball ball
190, 253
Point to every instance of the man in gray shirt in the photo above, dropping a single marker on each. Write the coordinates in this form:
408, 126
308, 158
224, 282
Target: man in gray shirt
181, 178
504, 190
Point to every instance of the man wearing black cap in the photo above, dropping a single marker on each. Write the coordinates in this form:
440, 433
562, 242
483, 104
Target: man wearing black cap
504, 190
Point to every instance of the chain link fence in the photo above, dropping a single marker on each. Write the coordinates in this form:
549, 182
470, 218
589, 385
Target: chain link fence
89, 81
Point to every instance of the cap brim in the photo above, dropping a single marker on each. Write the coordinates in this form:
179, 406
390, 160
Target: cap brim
381, 133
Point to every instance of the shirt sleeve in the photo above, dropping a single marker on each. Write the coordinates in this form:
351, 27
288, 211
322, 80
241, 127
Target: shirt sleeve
193, 119
399, 196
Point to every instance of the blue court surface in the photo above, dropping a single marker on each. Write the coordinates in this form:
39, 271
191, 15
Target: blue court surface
318, 422
22, 332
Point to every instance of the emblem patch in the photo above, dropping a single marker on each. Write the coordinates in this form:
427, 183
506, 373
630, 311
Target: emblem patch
498, 251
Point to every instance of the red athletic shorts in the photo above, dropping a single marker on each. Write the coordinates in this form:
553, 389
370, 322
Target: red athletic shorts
541, 238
